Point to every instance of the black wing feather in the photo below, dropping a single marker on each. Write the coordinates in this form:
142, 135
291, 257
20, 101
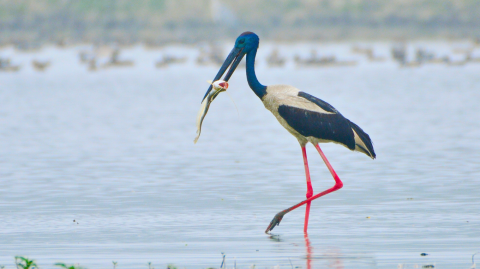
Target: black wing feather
365, 138
333, 127
319, 102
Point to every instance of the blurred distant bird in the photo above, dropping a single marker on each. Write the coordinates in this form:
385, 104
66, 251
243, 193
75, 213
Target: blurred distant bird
306, 117
40, 65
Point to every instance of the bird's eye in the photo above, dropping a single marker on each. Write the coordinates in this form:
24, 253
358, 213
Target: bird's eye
241, 41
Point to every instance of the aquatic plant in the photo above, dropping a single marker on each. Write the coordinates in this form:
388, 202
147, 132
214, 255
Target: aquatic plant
73, 266
223, 261
24, 263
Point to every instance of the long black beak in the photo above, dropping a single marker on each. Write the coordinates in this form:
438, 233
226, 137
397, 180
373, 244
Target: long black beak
235, 56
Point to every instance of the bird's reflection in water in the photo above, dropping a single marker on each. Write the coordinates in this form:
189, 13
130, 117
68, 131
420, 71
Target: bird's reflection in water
335, 260
275, 237
332, 256
308, 248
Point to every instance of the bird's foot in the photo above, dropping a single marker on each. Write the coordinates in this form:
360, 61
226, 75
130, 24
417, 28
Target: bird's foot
275, 221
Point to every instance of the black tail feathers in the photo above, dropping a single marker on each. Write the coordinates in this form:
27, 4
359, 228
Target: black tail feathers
365, 139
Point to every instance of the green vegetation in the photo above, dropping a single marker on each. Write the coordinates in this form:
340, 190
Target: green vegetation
158, 21
25, 263
64, 266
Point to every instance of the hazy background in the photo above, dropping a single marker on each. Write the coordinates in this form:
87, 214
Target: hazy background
159, 21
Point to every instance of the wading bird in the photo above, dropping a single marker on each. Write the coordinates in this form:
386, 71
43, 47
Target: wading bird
306, 117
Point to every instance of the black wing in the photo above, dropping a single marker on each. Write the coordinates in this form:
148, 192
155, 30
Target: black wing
332, 127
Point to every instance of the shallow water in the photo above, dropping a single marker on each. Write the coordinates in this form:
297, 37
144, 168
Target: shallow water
100, 166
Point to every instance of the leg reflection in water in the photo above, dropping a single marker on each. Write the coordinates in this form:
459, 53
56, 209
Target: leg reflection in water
309, 251
332, 256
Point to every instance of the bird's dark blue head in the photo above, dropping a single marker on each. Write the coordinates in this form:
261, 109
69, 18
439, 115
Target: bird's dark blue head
245, 43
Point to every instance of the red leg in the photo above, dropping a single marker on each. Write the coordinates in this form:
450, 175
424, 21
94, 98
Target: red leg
338, 182
338, 185
309, 188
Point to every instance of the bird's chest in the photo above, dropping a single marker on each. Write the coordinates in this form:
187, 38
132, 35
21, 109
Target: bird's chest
272, 103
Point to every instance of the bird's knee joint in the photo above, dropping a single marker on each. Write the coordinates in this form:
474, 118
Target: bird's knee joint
309, 194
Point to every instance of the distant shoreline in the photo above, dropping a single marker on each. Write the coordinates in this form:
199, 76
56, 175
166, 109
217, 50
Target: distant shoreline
27, 39
30, 23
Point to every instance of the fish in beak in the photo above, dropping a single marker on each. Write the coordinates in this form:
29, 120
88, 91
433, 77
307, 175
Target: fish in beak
216, 88
234, 58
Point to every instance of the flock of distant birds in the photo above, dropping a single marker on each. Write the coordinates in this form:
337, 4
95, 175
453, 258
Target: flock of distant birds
95, 59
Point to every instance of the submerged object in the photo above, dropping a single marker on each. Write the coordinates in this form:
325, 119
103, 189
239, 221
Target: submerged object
218, 87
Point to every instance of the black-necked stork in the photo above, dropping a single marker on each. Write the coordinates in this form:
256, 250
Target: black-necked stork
306, 117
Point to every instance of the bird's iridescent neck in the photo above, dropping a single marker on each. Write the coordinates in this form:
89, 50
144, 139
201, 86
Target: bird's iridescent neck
259, 89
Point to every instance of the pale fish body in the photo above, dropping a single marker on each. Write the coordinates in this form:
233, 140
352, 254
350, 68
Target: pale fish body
218, 87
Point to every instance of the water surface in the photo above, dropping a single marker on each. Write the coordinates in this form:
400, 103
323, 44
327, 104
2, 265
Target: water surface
100, 166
